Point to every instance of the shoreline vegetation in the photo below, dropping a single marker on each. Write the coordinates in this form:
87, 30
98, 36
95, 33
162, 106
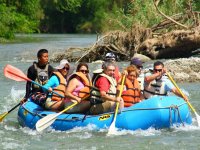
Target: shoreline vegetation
150, 30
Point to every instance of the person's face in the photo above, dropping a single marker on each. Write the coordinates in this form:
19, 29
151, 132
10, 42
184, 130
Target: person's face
139, 69
158, 69
110, 71
84, 70
132, 76
64, 71
43, 59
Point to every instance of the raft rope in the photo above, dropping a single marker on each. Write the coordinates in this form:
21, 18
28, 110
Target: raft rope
176, 109
36, 113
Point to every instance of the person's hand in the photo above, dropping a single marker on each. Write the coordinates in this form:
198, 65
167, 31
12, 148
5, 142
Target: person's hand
78, 99
23, 101
185, 98
50, 89
118, 99
125, 72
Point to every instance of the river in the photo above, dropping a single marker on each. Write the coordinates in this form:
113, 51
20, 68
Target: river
21, 55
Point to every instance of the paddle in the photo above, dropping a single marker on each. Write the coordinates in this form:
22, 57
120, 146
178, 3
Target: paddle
197, 116
2, 116
49, 119
17, 75
112, 129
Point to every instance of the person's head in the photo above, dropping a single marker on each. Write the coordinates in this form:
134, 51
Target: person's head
138, 63
42, 56
110, 57
63, 67
109, 68
133, 72
158, 67
82, 67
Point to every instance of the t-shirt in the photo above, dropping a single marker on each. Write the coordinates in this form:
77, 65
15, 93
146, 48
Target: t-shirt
103, 84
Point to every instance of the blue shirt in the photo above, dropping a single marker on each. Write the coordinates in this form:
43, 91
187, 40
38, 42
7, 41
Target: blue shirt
52, 82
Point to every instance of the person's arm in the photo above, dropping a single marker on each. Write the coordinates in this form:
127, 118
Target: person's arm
152, 77
52, 82
70, 88
173, 89
30, 75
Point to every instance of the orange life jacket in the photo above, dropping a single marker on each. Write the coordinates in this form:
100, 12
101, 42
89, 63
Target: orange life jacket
132, 93
60, 89
84, 92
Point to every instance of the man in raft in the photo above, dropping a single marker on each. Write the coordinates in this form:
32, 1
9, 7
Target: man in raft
158, 84
104, 95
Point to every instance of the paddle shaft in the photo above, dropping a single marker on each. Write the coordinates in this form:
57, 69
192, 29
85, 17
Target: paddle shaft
170, 77
2, 116
112, 126
26, 78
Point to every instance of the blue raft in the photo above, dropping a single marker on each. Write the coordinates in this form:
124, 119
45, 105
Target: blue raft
157, 112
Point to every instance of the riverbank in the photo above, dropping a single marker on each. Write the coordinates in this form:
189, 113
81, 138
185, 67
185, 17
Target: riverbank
184, 69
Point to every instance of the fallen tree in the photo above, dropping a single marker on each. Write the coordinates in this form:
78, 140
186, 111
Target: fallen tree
171, 38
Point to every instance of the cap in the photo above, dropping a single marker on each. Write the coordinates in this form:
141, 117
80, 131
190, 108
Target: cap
98, 71
62, 64
136, 61
110, 55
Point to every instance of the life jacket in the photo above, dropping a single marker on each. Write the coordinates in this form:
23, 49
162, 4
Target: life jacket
85, 91
95, 93
156, 87
132, 93
42, 75
60, 89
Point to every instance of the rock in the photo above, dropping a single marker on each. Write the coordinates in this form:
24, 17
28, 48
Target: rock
184, 69
143, 58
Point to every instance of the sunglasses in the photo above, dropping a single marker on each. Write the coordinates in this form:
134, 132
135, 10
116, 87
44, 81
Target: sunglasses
66, 68
84, 71
157, 70
140, 67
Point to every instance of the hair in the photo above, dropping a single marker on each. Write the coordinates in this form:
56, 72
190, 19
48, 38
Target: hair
158, 63
41, 51
132, 68
80, 65
108, 63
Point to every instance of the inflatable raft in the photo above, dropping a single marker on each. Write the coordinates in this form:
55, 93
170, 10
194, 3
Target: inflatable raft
157, 112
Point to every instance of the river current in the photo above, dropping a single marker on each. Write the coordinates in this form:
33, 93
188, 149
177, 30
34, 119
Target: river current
12, 136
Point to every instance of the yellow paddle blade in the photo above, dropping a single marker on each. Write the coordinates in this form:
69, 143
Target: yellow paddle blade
2, 116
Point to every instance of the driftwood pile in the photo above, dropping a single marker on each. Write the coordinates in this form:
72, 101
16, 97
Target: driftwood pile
181, 42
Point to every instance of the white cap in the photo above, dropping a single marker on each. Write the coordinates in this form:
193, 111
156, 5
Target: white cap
98, 71
110, 55
62, 64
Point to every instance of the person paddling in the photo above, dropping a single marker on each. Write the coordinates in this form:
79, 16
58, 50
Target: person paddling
57, 83
78, 88
132, 92
39, 72
105, 92
157, 84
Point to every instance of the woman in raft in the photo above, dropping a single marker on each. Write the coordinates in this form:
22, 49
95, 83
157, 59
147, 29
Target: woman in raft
132, 92
78, 90
57, 83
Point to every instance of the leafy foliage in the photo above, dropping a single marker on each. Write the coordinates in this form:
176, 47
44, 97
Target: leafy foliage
84, 16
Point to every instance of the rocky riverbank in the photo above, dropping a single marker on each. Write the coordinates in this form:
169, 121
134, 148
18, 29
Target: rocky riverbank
184, 69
